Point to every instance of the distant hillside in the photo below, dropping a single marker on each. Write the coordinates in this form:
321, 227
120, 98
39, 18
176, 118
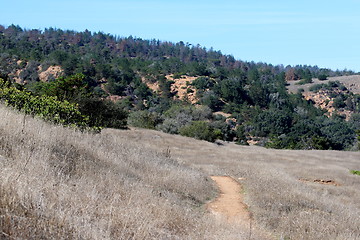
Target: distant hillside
336, 95
352, 83
175, 88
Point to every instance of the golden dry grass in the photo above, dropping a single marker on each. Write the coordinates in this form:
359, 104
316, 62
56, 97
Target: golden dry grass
57, 183
278, 199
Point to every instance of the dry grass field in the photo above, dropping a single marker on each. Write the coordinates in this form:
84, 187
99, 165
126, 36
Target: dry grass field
57, 183
293, 194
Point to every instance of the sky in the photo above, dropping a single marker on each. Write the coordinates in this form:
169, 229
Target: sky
316, 32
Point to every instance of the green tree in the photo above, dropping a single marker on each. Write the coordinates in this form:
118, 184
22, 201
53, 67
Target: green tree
66, 87
272, 122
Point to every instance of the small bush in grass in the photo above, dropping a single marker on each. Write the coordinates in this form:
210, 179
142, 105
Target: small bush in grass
143, 119
199, 130
355, 172
322, 77
304, 81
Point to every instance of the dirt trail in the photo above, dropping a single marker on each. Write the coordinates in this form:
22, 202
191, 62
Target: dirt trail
229, 203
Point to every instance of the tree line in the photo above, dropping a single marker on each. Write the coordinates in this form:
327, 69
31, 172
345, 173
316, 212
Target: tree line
254, 94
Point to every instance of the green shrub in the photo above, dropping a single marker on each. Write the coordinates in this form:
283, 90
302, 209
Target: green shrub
199, 130
103, 113
322, 77
316, 87
189, 90
202, 83
304, 81
355, 172
241, 136
177, 75
143, 119
46, 107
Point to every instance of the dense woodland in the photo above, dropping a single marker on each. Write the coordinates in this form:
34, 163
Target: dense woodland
97, 65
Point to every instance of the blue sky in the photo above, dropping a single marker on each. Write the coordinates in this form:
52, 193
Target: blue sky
317, 32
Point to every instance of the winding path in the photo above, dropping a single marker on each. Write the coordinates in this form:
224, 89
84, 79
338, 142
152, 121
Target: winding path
229, 203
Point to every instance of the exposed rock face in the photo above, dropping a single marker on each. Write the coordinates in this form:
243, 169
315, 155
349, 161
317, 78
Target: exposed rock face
183, 89
51, 72
323, 100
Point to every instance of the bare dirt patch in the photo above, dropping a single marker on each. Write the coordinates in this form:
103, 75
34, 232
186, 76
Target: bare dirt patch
52, 71
230, 201
321, 181
183, 89
323, 100
152, 85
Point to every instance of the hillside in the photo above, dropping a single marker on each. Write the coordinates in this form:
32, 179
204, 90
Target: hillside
143, 184
176, 88
336, 95
352, 83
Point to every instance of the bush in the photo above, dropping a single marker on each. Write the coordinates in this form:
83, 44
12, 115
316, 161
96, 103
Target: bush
322, 77
272, 122
202, 83
46, 107
177, 75
143, 119
199, 130
339, 102
304, 81
169, 125
316, 87
103, 113
355, 172
241, 136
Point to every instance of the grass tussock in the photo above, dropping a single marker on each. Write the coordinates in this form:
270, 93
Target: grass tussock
56, 183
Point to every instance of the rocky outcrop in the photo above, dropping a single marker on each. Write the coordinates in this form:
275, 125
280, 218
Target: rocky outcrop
322, 99
52, 72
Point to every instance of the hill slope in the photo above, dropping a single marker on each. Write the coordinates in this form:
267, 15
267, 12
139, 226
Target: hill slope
135, 74
145, 184
284, 189
352, 83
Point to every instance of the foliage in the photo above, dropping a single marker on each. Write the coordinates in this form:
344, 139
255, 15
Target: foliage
272, 122
179, 116
322, 77
66, 87
97, 65
240, 135
355, 172
103, 113
46, 107
304, 81
202, 83
327, 86
323, 133
143, 119
199, 130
